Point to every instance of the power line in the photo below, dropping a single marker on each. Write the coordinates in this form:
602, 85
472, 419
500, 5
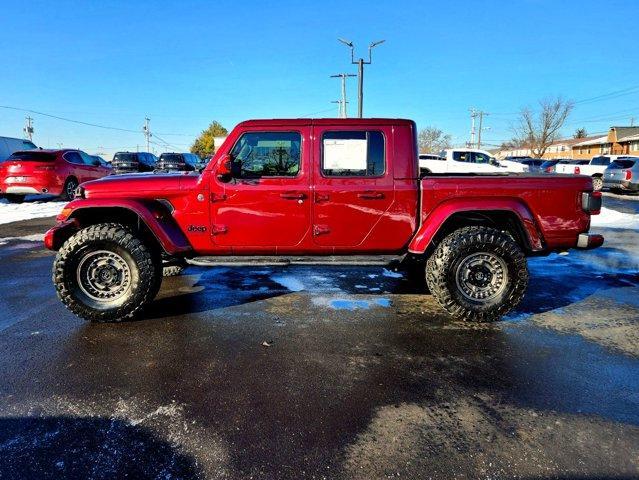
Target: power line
609, 95
80, 122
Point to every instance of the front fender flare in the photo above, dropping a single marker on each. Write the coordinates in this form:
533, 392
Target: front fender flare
150, 212
435, 219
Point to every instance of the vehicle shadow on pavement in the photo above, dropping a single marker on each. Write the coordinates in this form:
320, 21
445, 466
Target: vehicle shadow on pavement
77, 447
203, 289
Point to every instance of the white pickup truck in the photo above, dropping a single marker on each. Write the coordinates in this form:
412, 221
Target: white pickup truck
460, 160
594, 168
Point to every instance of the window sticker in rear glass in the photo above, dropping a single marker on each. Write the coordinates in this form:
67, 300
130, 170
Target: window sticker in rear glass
344, 154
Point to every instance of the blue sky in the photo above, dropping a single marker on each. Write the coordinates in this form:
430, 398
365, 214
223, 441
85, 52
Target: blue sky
186, 63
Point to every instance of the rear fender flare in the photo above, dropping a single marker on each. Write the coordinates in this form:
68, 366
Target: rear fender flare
432, 224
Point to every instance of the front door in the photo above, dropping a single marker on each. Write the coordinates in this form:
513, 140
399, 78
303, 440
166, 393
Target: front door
353, 184
265, 204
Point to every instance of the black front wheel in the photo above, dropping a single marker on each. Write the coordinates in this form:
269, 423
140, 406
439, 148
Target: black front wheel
104, 273
477, 274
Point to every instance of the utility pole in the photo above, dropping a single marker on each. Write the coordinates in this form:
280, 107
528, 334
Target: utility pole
360, 71
147, 132
342, 112
473, 115
28, 128
481, 121
339, 108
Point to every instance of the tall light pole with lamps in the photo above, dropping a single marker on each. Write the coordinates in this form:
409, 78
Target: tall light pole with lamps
360, 71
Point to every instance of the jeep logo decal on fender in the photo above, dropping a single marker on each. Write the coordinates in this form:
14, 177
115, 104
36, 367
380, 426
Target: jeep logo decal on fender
197, 228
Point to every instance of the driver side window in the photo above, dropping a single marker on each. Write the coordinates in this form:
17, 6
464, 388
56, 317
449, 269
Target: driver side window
267, 154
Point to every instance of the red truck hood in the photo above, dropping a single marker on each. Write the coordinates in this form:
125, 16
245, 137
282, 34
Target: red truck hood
139, 185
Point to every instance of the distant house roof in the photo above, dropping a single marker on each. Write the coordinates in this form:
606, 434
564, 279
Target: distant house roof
592, 141
623, 132
629, 138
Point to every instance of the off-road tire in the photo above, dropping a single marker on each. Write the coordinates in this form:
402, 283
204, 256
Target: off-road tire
143, 263
442, 273
14, 198
597, 183
68, 190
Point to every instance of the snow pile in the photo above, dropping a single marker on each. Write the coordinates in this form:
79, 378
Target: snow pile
15, 212
613, 219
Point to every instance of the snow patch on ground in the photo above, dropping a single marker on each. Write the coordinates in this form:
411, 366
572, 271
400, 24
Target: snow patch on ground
288, 281
391, 274
615, 219
38, 237
16, 212
350, 303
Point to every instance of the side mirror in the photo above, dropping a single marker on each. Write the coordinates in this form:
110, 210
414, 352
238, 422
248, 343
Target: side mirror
223, 171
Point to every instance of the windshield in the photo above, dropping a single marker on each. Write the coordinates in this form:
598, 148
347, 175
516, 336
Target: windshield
32, 157
626, 163
549, 163
125, 157
600, 161
171, 158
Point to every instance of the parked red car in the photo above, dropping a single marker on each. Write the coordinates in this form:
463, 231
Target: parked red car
49, 172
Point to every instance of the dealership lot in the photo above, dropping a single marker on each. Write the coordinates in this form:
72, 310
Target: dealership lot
324, 372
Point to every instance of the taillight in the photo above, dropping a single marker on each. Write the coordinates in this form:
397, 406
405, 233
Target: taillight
548, 169
591, 202
577, 170
628, 174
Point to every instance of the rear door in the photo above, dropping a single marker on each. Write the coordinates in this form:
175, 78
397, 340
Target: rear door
75, 167
91, 167
266, 202
353, 183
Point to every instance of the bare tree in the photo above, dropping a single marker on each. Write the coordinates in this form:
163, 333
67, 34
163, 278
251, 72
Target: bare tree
539, 130
432, 140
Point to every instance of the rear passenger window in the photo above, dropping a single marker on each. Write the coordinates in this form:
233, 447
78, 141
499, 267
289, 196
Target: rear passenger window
353, 154
74, 157
461, 156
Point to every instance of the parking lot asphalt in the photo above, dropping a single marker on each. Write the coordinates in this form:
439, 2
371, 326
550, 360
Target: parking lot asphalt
323, 372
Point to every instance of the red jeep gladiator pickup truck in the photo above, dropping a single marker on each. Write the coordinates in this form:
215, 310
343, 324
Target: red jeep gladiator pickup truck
318, 188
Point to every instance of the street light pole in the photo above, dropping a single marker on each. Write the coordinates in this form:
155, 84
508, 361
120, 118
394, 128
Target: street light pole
360, 71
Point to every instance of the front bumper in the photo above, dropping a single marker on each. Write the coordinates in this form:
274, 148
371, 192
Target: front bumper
56, 236
621, 185
588, 241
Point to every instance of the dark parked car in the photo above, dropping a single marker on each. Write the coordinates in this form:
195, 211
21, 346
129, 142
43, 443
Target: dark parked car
178, 162
132, 162
533, 164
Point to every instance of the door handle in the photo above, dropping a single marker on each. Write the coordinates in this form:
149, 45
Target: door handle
293, 195
371, 195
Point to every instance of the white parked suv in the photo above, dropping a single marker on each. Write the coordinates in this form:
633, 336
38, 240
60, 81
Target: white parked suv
460, 160
594, 168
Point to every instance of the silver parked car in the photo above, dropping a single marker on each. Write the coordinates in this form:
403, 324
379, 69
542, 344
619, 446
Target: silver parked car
622, 174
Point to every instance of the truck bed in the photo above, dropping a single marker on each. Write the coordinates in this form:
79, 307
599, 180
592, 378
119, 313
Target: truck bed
551, 204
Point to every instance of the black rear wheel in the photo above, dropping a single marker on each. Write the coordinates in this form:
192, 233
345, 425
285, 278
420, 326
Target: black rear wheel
104, 273
477, 274
70, 186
